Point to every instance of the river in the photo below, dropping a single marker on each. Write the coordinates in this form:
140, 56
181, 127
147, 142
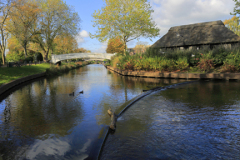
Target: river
40, 120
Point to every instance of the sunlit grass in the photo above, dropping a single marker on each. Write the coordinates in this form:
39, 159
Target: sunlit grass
9, 74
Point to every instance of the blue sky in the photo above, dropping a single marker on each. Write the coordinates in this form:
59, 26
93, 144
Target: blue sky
167, 13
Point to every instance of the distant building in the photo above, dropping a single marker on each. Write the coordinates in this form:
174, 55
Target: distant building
208, 34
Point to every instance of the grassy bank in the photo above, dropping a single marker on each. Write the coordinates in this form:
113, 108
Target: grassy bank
201, 61
13, 73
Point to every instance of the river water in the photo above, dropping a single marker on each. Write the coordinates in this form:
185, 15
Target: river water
40, 120
192, 121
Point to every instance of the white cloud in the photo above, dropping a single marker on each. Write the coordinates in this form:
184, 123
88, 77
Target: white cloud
48, 147
81, 35
101, 49
169, 13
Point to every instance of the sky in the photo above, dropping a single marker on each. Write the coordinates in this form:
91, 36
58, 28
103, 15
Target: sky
167, 14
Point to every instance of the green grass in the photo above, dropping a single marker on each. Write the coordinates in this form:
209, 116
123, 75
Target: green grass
13, 73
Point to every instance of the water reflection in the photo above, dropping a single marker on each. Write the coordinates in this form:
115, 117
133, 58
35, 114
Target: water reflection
41, 121
194, 121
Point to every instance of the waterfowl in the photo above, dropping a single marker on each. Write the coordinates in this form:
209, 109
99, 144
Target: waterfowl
71, 94
81, 92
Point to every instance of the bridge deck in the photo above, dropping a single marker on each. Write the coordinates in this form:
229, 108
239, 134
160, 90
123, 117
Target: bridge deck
92, 56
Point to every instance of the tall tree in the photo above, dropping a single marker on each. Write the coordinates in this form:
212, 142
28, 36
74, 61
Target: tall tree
65, 44
236, 10
115, 45
233, 24
24, 15
128, 19
58, 19
5, 6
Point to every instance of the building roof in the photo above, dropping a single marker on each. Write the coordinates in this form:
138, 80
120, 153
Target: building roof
213, 32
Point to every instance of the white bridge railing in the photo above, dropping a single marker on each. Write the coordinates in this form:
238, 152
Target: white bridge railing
93, 56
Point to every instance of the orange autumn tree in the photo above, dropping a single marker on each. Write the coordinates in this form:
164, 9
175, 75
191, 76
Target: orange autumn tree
24, 15
65, 44
233, 24
115, 45
81, 50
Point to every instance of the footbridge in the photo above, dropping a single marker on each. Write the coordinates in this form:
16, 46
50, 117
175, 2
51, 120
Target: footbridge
86, 56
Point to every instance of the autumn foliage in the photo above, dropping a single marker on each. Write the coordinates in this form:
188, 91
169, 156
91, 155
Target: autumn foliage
233, 24
65, 44
115, 45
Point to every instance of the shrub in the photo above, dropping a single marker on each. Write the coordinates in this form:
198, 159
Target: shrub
15, 56
115, 60
38, 57
182, 63
205, 63
28, 59
232, 62
228, 68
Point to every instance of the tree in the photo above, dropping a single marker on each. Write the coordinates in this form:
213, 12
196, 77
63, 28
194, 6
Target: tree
128, 19
115, 45
81, 50
23, 21
233, 24
236, 10
5, 6
141, 47
65, 44
58, 19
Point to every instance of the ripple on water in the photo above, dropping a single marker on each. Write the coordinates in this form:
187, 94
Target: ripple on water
179, 124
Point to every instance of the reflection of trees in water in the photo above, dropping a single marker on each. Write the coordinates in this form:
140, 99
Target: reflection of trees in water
37, 110
121, 90
37, 113
205, 93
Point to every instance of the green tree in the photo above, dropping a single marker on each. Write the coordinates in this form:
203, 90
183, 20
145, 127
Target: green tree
57, 19
128, 19
233, 24
5, 6
236, 10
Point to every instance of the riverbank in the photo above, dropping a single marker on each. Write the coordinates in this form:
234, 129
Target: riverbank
10, 77
177, 75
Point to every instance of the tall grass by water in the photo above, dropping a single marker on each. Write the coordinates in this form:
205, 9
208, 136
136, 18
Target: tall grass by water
219, 59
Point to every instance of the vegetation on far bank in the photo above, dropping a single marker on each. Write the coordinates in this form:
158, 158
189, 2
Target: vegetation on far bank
204, 60
9, 74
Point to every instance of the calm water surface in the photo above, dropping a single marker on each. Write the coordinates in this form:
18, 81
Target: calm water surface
195, 121
41, 121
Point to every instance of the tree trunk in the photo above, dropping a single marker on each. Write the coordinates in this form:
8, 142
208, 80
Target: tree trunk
25, 51
3, 57
125, 48
45, 58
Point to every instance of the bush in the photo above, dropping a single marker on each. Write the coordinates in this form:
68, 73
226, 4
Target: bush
228, 68
15, 56
38, 57
182, 63
232, 62
115, 60
28, 59
205, 63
